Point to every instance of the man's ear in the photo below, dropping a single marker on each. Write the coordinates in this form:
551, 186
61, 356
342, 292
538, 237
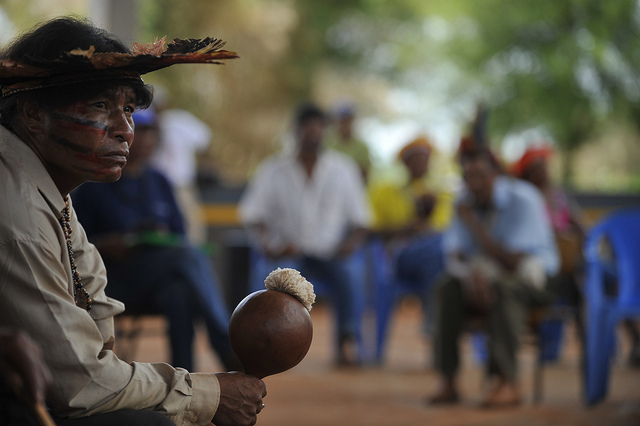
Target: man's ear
32, 115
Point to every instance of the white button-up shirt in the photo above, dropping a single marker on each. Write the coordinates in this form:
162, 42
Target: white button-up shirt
312, 213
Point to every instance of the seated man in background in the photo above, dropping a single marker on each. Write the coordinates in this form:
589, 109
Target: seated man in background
500, 255
410, 218
138, 229
308, 211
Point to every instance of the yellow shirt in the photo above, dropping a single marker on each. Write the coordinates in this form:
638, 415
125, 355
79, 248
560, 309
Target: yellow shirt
36, 295
394, 206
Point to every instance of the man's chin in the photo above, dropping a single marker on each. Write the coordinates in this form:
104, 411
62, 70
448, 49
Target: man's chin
107, 177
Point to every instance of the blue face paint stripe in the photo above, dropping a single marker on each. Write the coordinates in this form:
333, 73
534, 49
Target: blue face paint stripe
81, 121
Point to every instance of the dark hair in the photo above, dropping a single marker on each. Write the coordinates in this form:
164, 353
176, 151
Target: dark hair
308, 111
480, 154
48, 42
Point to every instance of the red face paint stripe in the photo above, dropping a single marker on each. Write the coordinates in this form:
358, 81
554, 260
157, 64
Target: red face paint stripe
74, 146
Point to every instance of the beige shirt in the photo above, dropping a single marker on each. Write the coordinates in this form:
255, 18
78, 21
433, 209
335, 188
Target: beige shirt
36, 295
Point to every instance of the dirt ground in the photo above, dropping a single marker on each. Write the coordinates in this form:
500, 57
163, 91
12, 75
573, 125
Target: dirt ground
316, 393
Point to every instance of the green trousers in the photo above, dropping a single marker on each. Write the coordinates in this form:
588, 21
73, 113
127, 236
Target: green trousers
505, 322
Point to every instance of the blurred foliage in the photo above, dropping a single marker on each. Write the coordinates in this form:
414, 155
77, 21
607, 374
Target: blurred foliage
569, 67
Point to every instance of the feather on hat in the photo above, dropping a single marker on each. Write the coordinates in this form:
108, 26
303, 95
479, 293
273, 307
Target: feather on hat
80, 65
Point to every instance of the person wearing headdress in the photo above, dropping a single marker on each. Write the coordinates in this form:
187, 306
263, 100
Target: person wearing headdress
343, 139
501, 260
410, 219
569, 228
68, 91
565, 214
138, 228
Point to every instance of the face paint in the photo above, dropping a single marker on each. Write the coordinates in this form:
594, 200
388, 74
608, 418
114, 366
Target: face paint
89, 140
79, 124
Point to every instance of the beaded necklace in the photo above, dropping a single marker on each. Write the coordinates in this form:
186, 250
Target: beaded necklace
80, 294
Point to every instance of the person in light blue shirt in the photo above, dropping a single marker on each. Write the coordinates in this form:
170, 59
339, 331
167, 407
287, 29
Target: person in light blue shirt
515, 203
501, 258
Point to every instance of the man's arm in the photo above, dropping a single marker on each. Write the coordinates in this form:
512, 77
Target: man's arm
507, 259
21, 365
353, 240
87, 377
258, 235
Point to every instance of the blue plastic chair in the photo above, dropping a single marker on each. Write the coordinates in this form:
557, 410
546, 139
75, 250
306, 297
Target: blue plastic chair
606, 308
388, 290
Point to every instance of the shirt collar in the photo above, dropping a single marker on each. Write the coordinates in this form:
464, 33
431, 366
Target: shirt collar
23, 157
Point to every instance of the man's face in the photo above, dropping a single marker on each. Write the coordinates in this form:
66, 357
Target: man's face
479, 176
310, 134
89, 140
537, 173
417, 163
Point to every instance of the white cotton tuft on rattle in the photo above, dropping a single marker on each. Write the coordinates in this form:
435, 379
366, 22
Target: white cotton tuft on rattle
290, 281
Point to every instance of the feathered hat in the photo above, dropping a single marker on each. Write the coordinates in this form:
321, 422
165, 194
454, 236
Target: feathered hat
80, 65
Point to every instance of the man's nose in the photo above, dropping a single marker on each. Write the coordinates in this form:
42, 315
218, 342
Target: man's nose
122, 127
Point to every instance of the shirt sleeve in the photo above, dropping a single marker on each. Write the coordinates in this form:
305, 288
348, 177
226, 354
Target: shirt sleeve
88, 379
253, 206
454, 237
357, 208
530, 230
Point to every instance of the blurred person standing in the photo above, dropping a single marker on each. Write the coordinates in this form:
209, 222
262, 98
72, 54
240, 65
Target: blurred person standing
342, 139
183, 137
500, 261
136, 225
308, 210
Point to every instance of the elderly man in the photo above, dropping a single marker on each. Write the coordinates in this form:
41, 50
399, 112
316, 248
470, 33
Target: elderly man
308, 211
68, 92
500, 255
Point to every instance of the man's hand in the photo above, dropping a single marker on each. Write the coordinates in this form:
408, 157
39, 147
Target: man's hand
240, 399
352, 242
288, 251
114, 246
480, 293
465, 212
22, 366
